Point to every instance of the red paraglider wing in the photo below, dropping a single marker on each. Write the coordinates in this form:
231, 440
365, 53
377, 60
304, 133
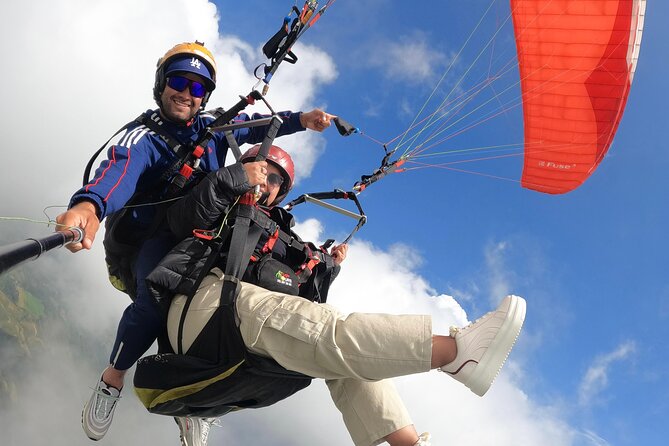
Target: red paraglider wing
577, 60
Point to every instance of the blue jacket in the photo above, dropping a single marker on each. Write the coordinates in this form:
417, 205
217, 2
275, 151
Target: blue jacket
136, 163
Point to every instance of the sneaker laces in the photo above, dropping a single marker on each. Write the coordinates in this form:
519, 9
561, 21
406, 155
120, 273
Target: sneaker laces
423, 440
104, 404
453, 330
214, 422
206, 425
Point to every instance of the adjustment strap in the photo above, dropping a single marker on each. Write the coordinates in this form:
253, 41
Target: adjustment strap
271, 241
244, 238
182, 152
174, 145
232, 143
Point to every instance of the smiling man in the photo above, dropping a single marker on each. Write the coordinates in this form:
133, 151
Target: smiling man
155, 160
184, 84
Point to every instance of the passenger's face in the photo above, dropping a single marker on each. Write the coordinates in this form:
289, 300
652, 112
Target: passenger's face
272, 189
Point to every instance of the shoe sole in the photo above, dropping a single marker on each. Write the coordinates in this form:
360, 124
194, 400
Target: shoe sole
495, 356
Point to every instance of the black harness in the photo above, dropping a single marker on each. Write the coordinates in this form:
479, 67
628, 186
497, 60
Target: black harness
122, 240
218, 374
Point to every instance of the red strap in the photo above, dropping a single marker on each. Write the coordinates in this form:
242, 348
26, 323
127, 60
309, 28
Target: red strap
198, 152
309, 264
186, 171
269, 244
313, 262
203, 234
248, 198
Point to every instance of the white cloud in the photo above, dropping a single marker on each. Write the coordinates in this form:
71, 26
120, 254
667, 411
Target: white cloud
596, 378
409, 58
309, 229
499, 280
591, 438
78, 73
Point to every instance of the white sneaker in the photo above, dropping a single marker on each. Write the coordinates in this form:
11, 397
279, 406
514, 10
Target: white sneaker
423, 440
484, 345
99, 410
194, 431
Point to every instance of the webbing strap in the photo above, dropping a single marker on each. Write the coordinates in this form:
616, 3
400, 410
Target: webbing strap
158, 129
323, 282
181, 151
233, 349
232, 143
244, 238
291, 241
265, 222
206, 267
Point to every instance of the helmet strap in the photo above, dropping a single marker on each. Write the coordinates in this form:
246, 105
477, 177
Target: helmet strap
263, 199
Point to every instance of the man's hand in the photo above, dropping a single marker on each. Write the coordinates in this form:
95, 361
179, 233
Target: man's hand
256, 172
82, 215
316, 120
338, 253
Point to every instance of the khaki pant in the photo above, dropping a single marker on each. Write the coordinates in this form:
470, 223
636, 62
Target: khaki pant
354, 353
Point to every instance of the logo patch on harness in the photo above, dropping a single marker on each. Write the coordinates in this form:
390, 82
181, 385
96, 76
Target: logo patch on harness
284, 278
194, 62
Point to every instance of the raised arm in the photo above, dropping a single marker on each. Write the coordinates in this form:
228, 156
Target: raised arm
204, 206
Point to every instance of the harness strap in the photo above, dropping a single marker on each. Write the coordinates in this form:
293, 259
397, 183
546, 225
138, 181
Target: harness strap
313, 257
182, 152
250, 223
232, 143
244, 238
152, 122
229, 136
324, 282
267, 247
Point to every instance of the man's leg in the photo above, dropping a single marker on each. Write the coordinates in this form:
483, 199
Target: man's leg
372, 411
319, 341
138, 328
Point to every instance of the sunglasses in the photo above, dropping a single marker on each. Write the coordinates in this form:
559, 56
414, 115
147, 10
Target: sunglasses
180, 83
274, 179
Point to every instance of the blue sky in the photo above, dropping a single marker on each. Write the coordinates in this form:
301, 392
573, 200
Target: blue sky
589, 368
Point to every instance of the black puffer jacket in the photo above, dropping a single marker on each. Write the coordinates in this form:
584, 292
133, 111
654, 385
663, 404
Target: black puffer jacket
203, 208
217, 374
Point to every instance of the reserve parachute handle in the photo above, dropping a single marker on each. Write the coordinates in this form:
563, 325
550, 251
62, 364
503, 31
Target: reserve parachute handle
30, 249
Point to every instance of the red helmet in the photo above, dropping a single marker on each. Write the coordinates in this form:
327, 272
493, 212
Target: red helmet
282, 161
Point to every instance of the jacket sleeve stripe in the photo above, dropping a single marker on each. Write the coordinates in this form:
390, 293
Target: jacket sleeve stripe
120, 178
104, 172
133, 137
139, 136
